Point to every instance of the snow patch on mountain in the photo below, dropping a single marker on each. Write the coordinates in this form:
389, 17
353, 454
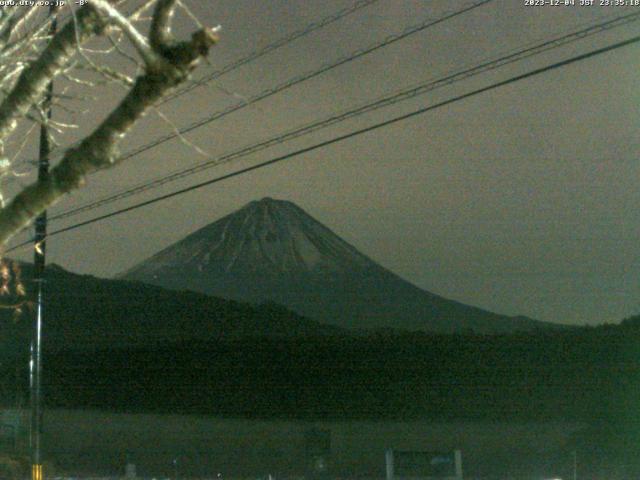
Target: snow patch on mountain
270, 235
272, 250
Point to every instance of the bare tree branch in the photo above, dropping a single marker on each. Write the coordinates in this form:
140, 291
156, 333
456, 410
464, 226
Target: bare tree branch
137, 39
12, 22
160, 34
33, 81
99, 150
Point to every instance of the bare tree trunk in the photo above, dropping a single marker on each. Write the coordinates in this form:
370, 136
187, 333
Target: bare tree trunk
167, 64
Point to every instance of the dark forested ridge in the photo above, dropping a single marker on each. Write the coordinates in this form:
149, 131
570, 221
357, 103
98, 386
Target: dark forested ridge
83, 311
585, 375
127, 346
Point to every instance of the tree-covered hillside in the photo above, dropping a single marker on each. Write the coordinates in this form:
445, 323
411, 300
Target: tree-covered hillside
585, 375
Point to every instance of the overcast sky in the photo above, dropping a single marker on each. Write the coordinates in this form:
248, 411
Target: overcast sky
522, 200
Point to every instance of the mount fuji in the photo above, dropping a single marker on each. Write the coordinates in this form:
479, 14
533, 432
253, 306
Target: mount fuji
273, 251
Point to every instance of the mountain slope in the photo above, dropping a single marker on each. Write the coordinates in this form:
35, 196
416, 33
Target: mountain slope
271, 250
85, 312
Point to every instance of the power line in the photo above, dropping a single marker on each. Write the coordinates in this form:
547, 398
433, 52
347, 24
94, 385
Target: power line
354, 133
270, 48
256, 54
515, 55
304, 77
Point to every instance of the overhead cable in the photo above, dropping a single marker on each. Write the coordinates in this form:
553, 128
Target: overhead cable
346, 136
389, 99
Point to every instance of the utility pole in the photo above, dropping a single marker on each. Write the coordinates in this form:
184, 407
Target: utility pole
35, 364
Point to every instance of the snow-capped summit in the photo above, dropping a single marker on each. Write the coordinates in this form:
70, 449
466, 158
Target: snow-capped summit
276, 235
265, 236
272, 250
